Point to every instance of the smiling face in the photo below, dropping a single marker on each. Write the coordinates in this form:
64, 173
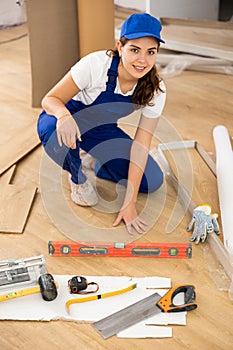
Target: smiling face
137, 57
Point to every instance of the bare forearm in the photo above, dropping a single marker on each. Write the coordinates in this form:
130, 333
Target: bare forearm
138, 160
54, 106
55, 100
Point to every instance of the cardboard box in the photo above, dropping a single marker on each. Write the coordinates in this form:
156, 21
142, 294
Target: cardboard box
96, 25
53, 39
60, 32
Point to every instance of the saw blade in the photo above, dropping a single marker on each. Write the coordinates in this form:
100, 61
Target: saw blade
127, 317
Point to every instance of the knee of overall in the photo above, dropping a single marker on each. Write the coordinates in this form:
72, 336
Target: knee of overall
152, 178
156, 182
46, 127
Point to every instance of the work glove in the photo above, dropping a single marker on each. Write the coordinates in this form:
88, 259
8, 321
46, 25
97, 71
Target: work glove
202, 223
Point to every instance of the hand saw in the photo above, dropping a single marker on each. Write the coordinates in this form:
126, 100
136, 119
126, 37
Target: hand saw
145, 308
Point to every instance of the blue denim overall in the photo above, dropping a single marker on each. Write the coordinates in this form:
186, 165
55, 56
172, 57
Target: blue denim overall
101, 137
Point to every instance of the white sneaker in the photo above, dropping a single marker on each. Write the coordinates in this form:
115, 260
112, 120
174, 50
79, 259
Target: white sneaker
88, 161
83, 194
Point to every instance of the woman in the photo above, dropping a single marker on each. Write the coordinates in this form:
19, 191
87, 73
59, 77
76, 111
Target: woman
82, 110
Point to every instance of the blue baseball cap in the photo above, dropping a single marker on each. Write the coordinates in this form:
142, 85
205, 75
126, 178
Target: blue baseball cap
139, 25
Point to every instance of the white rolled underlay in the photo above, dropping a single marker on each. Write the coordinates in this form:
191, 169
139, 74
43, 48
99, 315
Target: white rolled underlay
224, 172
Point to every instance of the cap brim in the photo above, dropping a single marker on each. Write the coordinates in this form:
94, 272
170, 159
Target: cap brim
141, 35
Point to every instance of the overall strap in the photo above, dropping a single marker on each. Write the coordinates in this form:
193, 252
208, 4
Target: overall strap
112, 74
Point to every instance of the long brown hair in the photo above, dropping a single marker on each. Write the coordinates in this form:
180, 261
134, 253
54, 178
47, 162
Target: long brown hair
146, 86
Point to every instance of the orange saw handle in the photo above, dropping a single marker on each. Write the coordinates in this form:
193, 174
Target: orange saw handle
166, 303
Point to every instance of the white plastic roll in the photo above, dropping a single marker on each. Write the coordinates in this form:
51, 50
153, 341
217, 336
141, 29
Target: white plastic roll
224, 172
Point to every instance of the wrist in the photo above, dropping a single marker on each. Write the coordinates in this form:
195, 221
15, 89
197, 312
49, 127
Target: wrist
130, 197
66, 115
129, 203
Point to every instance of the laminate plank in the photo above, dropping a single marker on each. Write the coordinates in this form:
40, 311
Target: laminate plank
12, 33
6, 178
213, 42
15, 205
192, 22
18, 146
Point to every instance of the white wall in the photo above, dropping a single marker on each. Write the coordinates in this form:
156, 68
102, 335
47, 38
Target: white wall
11, 13
205, 9
140, 5
202, 9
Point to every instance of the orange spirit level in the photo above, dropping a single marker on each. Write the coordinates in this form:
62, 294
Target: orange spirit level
135, 249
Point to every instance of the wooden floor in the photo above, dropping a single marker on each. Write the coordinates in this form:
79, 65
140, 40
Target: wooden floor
196, 103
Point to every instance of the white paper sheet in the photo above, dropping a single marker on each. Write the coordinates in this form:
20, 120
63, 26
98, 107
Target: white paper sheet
33, 307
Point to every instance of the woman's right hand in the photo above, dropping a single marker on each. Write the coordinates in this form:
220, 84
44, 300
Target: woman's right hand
67, 131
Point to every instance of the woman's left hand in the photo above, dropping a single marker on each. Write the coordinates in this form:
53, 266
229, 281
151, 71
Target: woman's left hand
131, 219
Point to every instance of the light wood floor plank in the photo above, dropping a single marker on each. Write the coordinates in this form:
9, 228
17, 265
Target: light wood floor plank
15, 204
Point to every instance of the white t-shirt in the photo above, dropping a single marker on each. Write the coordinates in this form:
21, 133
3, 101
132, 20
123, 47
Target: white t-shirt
90, 75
